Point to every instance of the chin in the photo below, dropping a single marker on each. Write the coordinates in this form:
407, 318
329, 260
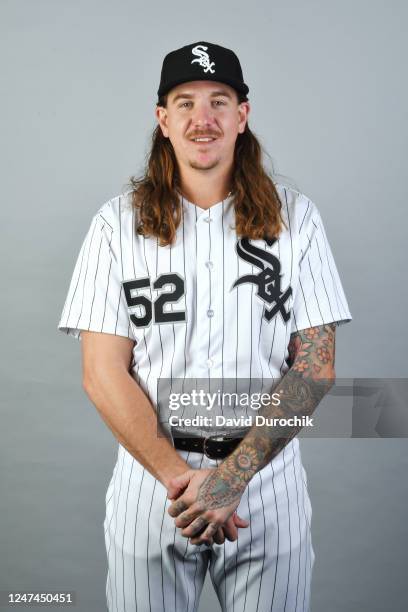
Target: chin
211, 163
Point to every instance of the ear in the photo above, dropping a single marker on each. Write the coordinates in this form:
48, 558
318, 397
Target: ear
161, 115
243, 112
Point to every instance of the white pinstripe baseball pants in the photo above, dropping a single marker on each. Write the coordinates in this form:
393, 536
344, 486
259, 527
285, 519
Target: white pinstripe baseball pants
153, 568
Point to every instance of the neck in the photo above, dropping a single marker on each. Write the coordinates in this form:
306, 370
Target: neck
204, 190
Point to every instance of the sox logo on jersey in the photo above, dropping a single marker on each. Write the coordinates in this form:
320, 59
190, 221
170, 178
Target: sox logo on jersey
268, 281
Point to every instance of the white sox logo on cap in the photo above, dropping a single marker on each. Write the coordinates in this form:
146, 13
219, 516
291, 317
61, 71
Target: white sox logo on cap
203, 58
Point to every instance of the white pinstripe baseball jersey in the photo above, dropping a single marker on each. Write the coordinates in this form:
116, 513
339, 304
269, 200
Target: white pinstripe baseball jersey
210, 306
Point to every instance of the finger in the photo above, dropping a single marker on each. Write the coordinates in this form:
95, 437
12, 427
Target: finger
198, 542
187, 517
207, 536
195, 539
177, 507
231, 525
219, 537
239, 522
177, 484
230, 530
194, 528
175, 494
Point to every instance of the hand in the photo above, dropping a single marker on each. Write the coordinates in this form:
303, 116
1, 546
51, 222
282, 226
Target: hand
229, 529
204, 506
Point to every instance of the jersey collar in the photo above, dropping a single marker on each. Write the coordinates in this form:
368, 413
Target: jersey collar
213, 212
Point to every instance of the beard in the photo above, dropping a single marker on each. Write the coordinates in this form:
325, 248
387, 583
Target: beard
204, 165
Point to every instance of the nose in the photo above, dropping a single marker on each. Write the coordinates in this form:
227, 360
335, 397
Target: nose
203, 116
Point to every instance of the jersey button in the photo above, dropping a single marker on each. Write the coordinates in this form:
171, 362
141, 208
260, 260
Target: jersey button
209, 264
207, 219
210, 312
209, 363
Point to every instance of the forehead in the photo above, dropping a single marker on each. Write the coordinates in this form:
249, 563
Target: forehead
192, 89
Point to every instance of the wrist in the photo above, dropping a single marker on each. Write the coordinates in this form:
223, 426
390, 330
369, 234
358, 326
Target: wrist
171, 472
246, 460
235, 478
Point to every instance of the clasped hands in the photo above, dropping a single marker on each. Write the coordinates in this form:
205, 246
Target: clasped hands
203, 506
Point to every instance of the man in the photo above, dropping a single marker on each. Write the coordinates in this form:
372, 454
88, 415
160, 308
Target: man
206, 270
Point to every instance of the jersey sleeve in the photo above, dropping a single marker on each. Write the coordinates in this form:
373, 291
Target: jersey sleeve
319, 296
95, 299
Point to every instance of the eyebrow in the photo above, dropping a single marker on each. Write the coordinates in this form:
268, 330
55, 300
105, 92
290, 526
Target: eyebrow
220, 92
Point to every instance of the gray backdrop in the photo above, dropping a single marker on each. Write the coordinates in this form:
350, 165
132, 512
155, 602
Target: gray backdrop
329, 104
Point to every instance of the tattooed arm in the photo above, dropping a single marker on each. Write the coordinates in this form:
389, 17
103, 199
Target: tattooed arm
310, 376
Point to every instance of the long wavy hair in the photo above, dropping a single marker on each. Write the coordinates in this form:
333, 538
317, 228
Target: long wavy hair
156, 194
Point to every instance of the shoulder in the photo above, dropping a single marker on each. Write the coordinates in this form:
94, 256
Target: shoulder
298, 209
115, 211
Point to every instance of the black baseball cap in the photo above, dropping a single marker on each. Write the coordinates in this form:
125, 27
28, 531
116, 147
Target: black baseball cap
201, 61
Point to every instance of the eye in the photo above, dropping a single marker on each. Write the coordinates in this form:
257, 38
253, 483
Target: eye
219, 102
183, 104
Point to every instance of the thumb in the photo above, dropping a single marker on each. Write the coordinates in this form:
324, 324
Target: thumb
178, 484
240, 522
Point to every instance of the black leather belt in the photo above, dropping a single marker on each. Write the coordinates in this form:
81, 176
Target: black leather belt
213, 447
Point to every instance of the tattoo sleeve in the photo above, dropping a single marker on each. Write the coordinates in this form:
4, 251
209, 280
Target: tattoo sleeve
309, 378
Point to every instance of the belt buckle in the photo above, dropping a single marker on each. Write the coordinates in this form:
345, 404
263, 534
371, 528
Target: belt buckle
212, 436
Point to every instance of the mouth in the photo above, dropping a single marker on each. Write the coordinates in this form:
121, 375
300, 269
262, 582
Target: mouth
203, 140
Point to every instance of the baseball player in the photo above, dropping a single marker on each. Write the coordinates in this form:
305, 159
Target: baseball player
206, 269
